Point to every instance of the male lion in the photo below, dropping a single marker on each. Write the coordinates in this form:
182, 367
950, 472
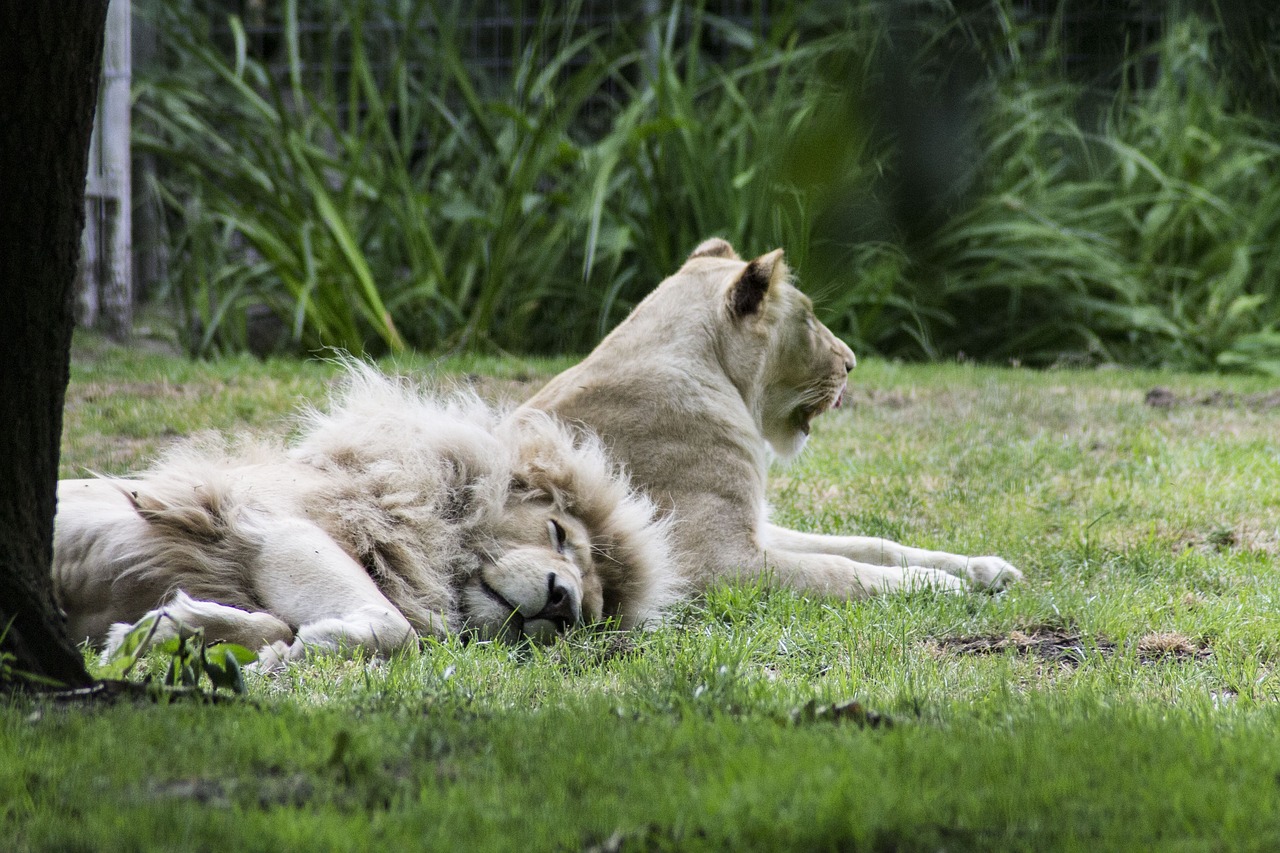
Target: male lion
721, 363
394, 514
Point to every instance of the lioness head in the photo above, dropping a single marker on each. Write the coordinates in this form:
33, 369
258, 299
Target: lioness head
786, 363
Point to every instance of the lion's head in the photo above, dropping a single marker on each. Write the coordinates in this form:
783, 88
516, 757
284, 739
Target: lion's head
572, 545
537, 579
789, 365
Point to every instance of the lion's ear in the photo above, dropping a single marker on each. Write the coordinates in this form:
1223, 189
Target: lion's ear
714, 248
749, 291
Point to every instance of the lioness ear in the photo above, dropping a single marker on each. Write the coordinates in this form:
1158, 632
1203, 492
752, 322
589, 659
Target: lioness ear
749, 291
714, 248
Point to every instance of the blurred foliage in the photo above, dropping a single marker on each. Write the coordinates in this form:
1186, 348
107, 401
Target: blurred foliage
941, 177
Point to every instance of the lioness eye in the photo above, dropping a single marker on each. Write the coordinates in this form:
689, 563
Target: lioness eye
559, 539
809, 321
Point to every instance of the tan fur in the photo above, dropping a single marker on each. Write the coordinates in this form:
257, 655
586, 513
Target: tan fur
720, 368
391, 515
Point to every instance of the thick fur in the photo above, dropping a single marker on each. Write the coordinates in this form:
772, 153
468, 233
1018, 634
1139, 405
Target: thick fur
720, 368
393, 514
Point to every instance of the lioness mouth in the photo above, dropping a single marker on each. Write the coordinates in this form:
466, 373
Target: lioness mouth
807, 414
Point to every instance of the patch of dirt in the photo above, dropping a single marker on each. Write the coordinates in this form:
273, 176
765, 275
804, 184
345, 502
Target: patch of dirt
511, 390
93, 392
1067, 646
582, 656
1244, 536
1165, 398
851, 711
1166, 644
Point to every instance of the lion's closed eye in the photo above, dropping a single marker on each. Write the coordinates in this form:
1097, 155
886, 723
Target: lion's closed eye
559, 537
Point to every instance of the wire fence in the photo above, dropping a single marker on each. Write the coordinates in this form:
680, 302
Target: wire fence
1101, 43
1098, 34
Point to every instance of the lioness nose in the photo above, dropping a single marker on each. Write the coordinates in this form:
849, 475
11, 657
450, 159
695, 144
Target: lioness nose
842, 351
562, 605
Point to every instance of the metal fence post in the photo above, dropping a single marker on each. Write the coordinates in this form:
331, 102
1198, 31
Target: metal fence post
106, 276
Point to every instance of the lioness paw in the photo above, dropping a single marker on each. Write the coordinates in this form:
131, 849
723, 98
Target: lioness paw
991, 572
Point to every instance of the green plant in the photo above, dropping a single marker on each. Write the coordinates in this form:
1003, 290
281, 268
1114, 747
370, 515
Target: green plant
357, 191
378, 191
189, 659
1148, 240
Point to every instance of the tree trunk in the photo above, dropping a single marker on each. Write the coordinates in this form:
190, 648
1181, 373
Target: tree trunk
50, 56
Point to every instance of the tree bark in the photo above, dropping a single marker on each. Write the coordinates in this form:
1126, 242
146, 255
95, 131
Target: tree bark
50, 58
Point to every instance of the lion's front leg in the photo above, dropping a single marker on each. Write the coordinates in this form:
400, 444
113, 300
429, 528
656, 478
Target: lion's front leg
987, 571
306, 579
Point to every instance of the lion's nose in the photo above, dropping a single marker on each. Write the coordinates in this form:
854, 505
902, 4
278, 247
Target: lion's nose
563, 607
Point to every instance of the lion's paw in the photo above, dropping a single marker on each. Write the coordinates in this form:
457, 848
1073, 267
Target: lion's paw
274, 657
115, 638
991, 572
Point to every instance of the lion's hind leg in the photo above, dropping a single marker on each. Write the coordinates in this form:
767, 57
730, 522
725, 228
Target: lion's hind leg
220, 623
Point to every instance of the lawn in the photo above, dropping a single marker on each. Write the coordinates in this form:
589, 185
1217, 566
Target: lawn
1122, 697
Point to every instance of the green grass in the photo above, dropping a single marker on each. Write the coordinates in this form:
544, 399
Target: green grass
1044, 718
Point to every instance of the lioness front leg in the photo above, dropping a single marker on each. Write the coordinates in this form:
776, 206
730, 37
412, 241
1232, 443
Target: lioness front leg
835, 575
988, 571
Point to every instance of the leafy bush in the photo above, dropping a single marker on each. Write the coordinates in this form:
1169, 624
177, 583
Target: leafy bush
416, 200
1148, 241
385, 193
366, 201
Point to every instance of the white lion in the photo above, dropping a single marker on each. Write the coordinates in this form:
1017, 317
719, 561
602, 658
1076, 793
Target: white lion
393, 514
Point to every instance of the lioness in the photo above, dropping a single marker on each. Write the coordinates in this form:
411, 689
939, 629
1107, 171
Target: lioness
393, 514
722, 363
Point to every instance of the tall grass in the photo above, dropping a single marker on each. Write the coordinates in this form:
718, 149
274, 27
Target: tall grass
379, 196
386, 193
1150, 239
